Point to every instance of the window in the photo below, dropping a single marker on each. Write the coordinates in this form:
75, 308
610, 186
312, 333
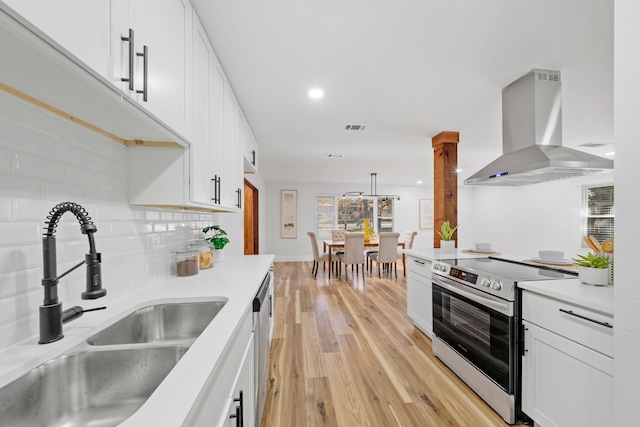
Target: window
353, 210
599, 211
325, 216
349, 213
385, 215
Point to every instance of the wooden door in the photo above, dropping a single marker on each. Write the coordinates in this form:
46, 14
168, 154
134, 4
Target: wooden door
251, 241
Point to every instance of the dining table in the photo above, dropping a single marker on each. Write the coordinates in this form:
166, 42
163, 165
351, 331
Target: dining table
331, 245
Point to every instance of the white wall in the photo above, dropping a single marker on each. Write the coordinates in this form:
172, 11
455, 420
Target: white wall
523, 220
45, 160
627, 142
406, 215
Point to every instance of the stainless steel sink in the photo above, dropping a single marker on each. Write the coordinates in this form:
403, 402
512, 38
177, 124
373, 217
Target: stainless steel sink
98, 388
160, 323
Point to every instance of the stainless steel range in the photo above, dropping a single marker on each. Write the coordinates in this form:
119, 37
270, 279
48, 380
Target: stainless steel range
477, 325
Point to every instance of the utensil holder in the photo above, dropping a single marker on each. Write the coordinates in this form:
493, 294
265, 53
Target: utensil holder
610, 256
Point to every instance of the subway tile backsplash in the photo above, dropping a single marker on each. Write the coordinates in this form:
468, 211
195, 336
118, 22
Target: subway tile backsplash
46, 160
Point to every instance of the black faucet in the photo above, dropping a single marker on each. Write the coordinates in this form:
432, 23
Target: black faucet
51, 315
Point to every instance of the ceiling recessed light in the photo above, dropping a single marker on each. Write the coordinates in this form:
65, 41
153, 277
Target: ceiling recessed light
610, 153
458, 170
316, 93
418, 182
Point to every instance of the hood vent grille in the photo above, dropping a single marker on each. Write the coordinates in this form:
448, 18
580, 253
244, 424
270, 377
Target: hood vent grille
355, 127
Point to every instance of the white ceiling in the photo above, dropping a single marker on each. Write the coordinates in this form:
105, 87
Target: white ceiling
408, 69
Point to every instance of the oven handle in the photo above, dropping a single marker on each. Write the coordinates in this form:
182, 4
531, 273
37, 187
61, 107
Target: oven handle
499, 305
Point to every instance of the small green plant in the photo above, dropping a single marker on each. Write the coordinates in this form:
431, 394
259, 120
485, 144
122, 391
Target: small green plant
592, 260
219, 238
446, 232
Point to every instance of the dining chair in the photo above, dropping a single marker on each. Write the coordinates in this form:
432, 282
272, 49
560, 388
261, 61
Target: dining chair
317, 256
387, 252
338, 236
353, 252
408, 244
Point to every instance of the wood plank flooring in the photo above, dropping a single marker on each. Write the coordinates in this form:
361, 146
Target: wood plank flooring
345, 353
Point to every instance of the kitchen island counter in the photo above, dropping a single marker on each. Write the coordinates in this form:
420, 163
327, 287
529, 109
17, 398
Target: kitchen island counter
235, 280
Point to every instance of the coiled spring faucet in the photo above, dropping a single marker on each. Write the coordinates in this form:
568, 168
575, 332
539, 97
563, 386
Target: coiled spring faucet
51, 315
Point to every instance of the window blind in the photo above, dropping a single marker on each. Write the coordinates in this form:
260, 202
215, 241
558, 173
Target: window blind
599, 211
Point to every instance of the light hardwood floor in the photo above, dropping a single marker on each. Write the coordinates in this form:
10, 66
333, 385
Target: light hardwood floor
345, 353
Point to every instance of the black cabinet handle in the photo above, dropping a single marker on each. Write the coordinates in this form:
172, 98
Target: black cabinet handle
131, 50
239, 204
239, 413
605, 324
145, 69
237, 416
253, 157
216, 189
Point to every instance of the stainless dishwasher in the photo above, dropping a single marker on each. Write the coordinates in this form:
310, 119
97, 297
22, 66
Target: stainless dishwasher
261, 326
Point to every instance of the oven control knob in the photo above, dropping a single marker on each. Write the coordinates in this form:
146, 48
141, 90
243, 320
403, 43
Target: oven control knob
496, 285
485, 282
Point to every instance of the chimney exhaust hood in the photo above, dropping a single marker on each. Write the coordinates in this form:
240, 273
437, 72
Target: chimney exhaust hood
532, 137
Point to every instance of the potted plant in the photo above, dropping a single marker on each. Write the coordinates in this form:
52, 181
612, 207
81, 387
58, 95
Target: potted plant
218, 240
593, 269
446, 232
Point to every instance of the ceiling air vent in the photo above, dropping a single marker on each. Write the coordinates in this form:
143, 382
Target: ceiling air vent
355, 127
334, 156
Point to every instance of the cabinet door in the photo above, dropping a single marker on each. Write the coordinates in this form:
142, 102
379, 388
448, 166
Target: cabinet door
242, 404
565, 383
164, 26
200, 187
251, 149
81, 27
419, 297
233, 167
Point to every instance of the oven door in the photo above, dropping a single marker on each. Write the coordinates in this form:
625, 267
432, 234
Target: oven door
478, 326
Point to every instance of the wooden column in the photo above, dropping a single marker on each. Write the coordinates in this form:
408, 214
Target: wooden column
445, 182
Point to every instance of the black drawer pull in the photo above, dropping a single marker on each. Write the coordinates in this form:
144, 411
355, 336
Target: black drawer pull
608, 325
419, 262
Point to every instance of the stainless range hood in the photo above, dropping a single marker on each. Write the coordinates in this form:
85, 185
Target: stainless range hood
532, 137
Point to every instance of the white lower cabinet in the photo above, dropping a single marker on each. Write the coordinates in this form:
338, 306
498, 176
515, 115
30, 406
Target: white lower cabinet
565, 382
240, 407
419, 298
233, 374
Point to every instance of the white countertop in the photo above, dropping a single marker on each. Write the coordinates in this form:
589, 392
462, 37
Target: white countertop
598, 298
236, 279
432, 254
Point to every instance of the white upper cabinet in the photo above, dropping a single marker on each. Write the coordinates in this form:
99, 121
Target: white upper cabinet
250, 149
207, 139
162, 29
233, 184
82, 27
97, 33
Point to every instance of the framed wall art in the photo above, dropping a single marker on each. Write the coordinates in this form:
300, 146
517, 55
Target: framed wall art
289, 212
425, 214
